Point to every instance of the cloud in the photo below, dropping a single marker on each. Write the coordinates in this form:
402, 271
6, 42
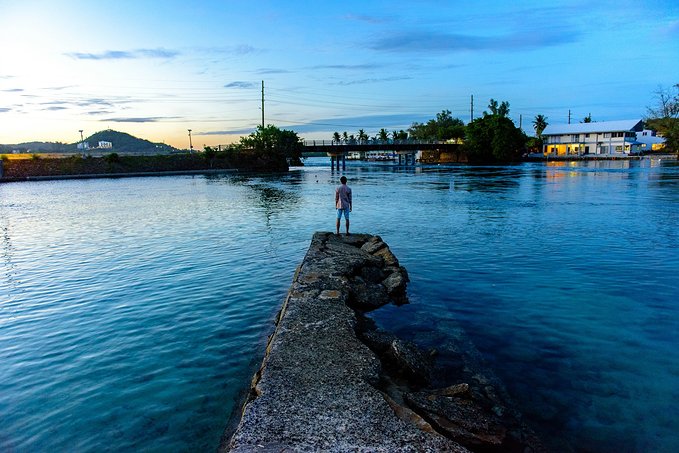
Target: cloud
348, 67
272, 71
60, 87
239, 84
13, 90
143, 119
55, 108
4, 110
228, 131
124, 54
671, 29
364, 18
94, 101
99, 112
432, 41
353, 123
372, 80
389, 121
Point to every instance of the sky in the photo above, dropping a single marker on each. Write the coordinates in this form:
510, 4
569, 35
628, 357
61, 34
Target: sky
157, 69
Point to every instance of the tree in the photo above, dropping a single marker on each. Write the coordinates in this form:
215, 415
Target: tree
494, 137
274, 142
443, 127
345, 136
362, 136
399, 135
383, 135
336, 137
664, 117
501, 110
587, 119
540, 124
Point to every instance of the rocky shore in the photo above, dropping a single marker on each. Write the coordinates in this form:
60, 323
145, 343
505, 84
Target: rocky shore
332, 381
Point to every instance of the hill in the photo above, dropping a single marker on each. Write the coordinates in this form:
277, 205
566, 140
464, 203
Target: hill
123, 143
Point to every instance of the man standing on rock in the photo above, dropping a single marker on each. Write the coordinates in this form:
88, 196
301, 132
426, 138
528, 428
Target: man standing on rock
343, 203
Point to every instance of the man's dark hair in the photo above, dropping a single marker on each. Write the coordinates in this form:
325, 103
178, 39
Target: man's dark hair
343, 179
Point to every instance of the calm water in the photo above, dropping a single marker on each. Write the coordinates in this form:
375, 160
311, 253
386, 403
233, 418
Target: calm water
134, 311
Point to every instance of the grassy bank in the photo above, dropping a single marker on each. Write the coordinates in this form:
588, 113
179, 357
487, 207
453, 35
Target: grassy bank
114, 164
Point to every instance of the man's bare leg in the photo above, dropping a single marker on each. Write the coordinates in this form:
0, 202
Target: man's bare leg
347, 227
337, 225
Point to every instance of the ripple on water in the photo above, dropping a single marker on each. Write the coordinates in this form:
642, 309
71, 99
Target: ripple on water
137, 309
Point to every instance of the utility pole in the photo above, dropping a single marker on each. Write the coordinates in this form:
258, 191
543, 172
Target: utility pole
569, 116
520, 120
190, 142
262, 104
471, 118
82, 141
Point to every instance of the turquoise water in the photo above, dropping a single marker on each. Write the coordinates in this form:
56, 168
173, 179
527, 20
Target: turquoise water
133, 312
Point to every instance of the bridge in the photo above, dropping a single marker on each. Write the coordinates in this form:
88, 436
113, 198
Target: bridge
405, 149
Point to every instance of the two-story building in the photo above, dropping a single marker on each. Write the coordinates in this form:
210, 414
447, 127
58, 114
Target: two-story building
604, 137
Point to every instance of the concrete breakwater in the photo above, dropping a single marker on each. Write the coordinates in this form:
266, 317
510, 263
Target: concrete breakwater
332, 381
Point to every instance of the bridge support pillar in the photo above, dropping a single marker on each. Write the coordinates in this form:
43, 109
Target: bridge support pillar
344, 162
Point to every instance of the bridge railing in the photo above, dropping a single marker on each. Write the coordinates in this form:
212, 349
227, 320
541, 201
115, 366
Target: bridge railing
372, 142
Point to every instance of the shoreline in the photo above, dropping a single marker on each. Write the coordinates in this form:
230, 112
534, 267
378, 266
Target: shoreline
121, 175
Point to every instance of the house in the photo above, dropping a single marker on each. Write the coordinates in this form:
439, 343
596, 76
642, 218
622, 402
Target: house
605, 137
107, 145
649, 141
83, 145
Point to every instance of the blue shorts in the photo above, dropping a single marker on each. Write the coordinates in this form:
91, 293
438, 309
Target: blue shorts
344, 211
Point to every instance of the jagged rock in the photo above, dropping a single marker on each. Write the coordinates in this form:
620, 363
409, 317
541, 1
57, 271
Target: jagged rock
395, 285
459, 390
378, 340
367, 296
462, 420
387, 256
373, 245
372, 274
409, 361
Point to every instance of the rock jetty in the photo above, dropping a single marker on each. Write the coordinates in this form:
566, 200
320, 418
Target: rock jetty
331, 381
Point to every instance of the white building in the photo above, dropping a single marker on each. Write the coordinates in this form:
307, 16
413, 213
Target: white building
83, 145
605, 137
650, 141
106, 145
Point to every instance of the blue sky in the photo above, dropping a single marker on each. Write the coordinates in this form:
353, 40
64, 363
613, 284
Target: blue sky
156, 69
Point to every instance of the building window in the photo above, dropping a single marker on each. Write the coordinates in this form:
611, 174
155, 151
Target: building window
607, 135
586, 135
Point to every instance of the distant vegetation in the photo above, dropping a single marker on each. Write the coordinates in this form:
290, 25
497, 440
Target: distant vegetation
127, 144
268, 141
491, 138
123, 143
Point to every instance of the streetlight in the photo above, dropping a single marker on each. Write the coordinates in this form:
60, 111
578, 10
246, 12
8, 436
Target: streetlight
82, 141
190, 144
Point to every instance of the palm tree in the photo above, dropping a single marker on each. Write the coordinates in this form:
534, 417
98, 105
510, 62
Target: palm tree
345, 137
539, 124
383, 135
336, 138
362, 136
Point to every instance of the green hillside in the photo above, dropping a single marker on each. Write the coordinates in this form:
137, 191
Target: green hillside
125, 143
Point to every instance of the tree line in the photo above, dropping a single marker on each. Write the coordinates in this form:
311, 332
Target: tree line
493, 137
